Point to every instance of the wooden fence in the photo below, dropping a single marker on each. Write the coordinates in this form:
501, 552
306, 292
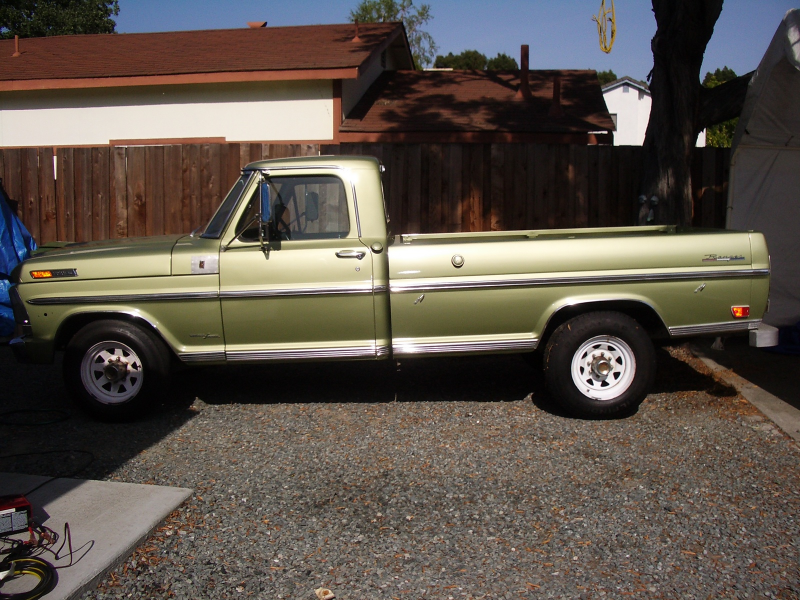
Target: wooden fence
490, 187
83, 194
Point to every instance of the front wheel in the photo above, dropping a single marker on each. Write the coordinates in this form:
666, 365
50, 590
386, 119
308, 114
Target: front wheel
600, 364
115, 369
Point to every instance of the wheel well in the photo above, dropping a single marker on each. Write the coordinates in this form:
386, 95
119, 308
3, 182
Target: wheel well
642, 313
77, 322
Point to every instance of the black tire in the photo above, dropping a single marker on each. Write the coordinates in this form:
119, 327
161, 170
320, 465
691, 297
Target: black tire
116, 370
600, 364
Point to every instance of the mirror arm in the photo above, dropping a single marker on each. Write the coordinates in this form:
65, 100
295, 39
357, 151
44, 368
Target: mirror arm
264, 247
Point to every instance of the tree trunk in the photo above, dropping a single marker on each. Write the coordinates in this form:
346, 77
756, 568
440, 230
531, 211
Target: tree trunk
684, 28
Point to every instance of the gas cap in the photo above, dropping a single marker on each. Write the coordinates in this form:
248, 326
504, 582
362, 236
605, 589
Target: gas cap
458, 261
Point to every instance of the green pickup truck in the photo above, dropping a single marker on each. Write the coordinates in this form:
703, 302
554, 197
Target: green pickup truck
298, 264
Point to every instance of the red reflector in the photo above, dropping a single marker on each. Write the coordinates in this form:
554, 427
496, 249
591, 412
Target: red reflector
740, 312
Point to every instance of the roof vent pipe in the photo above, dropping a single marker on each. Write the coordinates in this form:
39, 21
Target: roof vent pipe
524, 91
356, 38
256, 24
16, 47
555, 107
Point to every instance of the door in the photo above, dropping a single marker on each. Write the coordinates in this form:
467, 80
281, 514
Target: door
307, 293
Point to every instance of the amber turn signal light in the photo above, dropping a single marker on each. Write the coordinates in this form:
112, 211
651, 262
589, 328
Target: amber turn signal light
41, 274
740, 312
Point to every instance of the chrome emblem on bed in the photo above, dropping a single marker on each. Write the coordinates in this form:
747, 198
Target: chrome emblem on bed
718, 258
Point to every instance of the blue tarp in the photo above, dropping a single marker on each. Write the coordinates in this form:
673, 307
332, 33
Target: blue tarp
16, 244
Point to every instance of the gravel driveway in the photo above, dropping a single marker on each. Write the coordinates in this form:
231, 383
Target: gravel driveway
448, 479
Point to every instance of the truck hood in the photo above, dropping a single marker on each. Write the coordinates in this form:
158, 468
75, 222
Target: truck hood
107, 259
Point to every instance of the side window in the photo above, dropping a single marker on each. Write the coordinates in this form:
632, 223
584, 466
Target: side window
310, 208
304, 208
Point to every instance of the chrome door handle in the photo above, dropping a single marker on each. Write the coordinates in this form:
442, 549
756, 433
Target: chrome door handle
359, 254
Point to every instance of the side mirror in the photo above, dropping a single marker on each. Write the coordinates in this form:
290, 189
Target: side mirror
312, 206
266, 205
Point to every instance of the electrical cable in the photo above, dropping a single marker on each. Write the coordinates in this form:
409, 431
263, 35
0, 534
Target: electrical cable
24, 557
13, 568
58, 417
72, 473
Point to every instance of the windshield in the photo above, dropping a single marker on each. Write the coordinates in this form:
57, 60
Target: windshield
220, 219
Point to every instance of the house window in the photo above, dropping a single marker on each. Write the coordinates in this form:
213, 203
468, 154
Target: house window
625, 89
614, 118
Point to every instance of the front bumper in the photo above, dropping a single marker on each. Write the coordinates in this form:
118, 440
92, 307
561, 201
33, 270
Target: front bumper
27, 348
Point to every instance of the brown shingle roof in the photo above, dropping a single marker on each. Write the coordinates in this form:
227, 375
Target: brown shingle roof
479, 101
314, 47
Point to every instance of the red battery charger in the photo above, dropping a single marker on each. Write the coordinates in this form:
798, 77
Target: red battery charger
15, 514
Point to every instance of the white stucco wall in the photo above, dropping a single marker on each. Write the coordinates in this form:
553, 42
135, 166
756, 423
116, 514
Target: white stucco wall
263, 111
632, 107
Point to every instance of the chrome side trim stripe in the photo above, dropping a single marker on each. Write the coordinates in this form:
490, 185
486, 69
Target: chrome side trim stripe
713, 328
411, 348
123, 298
362, 352
197, 357
310, 354
365, 289
414, 286
318, 291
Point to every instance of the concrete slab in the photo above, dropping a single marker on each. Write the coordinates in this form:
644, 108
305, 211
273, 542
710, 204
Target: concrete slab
108, 518
783, 414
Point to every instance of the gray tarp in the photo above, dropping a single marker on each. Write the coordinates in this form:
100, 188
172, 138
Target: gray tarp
764, 191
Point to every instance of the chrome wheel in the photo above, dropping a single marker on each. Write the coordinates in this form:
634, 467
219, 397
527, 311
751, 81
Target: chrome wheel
112, 372
603, 367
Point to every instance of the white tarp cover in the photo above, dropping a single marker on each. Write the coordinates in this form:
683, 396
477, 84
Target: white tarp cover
764, 190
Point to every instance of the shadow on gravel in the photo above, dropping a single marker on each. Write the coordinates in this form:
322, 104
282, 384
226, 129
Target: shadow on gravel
463, 379
470, 379
41, 432
675, 375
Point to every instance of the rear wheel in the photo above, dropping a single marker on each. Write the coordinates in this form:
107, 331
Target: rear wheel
116, 369
600, 364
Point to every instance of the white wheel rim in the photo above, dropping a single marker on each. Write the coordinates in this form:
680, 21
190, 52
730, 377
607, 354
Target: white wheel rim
603, 367
112, 372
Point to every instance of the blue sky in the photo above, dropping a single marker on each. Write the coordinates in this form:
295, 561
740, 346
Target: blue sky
560, 33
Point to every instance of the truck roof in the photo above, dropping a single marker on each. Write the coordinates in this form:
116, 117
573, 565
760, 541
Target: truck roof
346, 162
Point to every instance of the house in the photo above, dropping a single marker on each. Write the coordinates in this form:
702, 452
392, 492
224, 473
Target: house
482, 107
308, 84
279, 84
629, 103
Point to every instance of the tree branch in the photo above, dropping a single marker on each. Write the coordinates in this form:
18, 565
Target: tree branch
722, 103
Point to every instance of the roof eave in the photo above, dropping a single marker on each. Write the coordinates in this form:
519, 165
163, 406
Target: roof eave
478, 137
178, 79
390, 39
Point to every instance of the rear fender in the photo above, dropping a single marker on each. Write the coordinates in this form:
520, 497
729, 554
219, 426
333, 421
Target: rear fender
639, 310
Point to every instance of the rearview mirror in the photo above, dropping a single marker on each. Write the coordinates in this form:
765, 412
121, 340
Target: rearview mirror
266, 206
